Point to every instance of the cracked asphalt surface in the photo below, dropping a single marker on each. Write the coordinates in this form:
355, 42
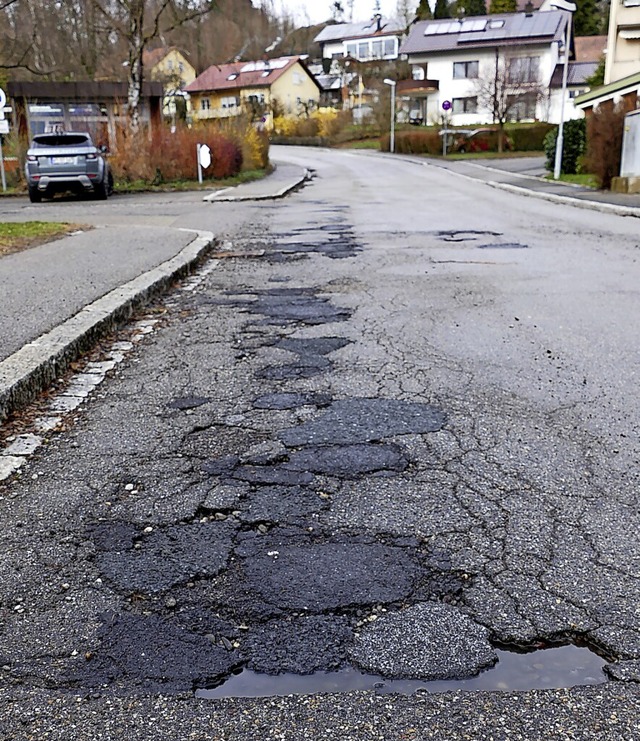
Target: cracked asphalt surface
360, 440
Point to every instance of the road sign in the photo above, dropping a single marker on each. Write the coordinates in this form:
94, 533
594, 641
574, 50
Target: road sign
4, 126
446, 105
3, 103
204, 155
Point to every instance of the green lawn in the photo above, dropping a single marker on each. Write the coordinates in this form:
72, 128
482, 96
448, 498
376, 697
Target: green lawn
16, 236
587, 180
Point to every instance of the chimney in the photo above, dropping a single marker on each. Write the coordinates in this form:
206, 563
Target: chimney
378, 19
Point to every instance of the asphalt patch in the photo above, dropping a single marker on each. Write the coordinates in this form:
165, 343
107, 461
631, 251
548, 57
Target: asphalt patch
285, 400
427, 641
503, 246
298, 645
291, 305
168, 557
155, 654
188, 402
327, 576
281, 504
348, 460
352, 421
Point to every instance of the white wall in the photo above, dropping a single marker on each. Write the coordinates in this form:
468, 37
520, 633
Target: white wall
440, 67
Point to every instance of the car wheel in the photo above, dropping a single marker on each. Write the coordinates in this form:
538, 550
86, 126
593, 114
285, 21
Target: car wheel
35, 196
101, 189
462, 150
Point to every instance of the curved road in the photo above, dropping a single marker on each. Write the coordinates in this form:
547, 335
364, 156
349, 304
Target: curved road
393, 431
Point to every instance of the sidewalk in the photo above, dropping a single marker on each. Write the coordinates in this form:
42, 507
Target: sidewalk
526, 176
48, 337
285, 178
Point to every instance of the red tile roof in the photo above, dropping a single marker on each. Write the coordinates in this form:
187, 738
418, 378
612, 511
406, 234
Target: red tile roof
241, 75
590, 48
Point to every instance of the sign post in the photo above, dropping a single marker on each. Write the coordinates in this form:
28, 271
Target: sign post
446, 106
4, 129
204, 159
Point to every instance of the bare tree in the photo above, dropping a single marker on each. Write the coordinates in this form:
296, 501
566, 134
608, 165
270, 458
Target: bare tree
510, 89
137, 22
406, 11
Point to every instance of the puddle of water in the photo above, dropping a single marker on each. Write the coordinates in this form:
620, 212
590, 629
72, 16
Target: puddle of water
552, 668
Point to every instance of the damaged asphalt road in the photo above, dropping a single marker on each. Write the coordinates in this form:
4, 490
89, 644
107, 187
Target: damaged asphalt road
340, 450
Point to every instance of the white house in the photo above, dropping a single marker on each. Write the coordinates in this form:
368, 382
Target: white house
372, 40
454, 61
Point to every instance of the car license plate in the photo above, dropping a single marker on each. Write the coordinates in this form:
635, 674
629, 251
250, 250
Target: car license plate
63, 160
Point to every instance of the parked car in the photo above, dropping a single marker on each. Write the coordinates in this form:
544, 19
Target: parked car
67, 161
475, 140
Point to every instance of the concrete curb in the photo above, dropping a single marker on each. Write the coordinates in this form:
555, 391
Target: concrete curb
220, 197
32, 368
607, 208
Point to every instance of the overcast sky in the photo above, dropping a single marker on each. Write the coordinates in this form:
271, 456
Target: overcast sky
316, 11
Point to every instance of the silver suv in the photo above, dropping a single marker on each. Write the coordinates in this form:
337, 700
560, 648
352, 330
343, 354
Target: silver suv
67, 161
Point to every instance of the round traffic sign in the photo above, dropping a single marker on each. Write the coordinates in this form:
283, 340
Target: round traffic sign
3, 98
446, 105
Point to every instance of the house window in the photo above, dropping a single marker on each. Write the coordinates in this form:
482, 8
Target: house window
352, 50
465, 70
170, 65
205, 104
297, 78
363, 50
390, 48
523, 69
180, 67
228, 102
377, 49
523, 107
464, 105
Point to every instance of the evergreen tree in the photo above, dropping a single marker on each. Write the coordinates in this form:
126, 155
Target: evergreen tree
588, 18
442, 9
472, 7
503, 6
423, 12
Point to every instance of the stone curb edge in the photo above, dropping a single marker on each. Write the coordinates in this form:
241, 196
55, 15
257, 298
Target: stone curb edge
32, 368
608, 208
290, 187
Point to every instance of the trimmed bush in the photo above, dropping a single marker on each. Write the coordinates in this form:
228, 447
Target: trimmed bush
573, 147
413, 142
529, 138
605, 129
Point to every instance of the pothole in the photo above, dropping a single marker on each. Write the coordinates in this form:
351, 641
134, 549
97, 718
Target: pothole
551, 668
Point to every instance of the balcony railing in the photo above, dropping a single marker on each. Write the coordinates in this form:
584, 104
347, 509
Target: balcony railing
417, 88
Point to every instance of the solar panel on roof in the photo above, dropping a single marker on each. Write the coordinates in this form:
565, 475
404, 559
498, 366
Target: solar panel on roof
475, 25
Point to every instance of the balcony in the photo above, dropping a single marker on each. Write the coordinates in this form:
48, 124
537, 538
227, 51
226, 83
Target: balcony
417, 88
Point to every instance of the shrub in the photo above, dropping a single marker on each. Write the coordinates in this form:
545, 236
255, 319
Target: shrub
529, 138
605, 128
172, 156
413, 142
574, 136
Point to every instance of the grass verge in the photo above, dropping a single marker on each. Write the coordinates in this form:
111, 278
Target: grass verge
17, 236
587, 180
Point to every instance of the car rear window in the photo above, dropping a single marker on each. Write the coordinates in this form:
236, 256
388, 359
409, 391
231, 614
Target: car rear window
59, 140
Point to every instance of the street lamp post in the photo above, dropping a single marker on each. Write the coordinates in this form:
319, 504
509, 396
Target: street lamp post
570, 8
392, 140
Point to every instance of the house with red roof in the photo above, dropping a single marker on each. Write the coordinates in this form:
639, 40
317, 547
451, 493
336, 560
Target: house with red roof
258, 89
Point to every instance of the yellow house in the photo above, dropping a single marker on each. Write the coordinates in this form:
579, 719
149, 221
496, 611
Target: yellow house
259, 89
169, 66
